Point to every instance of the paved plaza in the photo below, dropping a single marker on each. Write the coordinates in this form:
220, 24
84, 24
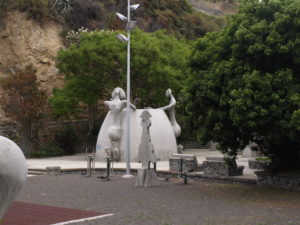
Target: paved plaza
78, 161
170, 203
79, 200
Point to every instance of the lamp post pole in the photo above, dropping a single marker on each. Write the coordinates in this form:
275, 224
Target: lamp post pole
127, 149
129, 27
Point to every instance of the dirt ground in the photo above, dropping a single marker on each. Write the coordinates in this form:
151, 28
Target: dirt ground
170, 203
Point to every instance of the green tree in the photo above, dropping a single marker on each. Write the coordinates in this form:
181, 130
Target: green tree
91, 67
97, 63
246, 82
23, 101
158, 62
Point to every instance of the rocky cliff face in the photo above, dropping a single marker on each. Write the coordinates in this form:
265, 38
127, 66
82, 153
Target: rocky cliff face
24, 42
213, 7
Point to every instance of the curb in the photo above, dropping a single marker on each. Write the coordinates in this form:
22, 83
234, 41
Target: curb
160, 173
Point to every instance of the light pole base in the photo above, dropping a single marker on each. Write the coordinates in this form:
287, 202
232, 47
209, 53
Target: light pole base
127, 176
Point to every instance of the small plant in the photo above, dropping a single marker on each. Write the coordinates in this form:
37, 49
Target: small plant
48, 151
263, 159
86, 13
3, 4
74, 36
35, 9
62, 7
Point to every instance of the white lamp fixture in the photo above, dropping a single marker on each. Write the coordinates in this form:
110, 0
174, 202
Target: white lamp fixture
122, 37
121, 17
134, 7
130, 25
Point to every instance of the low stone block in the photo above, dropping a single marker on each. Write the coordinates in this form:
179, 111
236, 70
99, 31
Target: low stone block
189, 163
217, 159
53, 170
258, 165
220, 168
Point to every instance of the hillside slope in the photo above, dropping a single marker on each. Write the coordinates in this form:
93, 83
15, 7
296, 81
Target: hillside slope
29, 40
24, 42
214, 8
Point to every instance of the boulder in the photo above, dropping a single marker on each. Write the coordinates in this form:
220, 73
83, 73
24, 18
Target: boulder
13, 173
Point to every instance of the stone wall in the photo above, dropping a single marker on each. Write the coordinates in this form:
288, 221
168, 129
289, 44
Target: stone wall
189, 162
258, 165
217, 167
283, 180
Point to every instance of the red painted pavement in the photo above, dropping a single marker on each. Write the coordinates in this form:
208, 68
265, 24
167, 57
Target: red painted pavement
22, 213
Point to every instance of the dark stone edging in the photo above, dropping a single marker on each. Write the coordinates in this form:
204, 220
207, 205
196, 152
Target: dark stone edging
283, 180
264, 178
164, 174
258, 165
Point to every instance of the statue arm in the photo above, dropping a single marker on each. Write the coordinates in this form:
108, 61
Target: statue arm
131, 105
171, 104
106, 103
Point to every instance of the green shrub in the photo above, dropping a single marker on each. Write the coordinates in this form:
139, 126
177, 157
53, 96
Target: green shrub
66, 139
87, 14
263, 159
35, 9
48, 151
3, 4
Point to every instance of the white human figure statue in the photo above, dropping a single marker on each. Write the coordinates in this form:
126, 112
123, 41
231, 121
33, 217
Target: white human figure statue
116, 105
146, 149
171, 109
13, 173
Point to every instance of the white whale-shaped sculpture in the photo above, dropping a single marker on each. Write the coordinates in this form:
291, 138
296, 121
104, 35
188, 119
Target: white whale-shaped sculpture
162, 135
112, 136
13, 173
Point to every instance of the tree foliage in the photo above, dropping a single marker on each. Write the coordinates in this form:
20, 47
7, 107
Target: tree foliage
159, 62
245, 85
24, 102
175, 16
97, 64
91, 68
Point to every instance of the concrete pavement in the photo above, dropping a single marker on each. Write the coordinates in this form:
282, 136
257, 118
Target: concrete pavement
78, 161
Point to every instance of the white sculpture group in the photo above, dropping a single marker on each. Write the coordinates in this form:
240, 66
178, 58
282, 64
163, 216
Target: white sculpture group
146, 153
116, 105
146, 175
111, 138
13, 173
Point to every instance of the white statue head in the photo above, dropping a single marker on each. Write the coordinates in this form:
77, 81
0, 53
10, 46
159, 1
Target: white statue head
168, 92
118, 92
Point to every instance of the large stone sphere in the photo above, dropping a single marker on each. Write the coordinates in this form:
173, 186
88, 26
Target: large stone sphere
13, 173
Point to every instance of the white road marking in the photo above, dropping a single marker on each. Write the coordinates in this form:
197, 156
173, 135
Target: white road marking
84, 219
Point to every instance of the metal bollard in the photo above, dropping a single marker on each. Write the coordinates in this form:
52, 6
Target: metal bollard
108, 164
108, 167
183, 173
90, 160
181, 166
90, 165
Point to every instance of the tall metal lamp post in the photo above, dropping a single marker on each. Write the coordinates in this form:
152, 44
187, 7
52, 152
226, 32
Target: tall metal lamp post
130, 24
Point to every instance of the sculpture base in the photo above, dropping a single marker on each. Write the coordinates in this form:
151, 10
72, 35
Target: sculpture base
127, 176
146, 178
